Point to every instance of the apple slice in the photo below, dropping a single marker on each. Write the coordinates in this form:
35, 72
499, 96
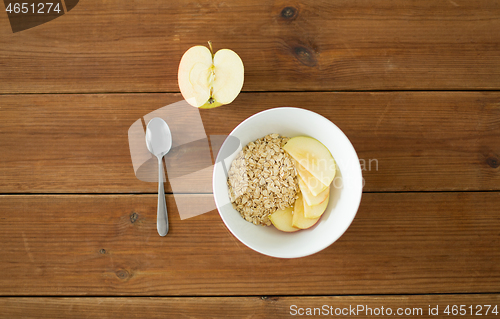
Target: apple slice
310, 199
313, 156
282, 220
208, 80
313, 184
299, 219
317, 210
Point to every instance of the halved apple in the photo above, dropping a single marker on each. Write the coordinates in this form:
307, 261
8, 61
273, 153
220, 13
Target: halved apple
208, 80
313, 156
282, 220
317, 210
309, 197
315, 185
299, 219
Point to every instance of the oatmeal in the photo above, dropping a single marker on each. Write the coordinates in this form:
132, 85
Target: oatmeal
262, 179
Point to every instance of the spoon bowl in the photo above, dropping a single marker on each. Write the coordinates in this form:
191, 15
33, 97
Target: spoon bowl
159, 143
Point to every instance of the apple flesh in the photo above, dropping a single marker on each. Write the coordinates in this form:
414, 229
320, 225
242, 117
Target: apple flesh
309, 198
282, 220
315, 185
299, 220
313, 156
317, 210
208, 80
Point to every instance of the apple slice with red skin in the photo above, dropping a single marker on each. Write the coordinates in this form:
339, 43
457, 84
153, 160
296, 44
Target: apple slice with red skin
282, 220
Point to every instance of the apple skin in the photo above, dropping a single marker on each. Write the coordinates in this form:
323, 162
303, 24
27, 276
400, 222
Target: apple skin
208, 106
282, 220
299, 220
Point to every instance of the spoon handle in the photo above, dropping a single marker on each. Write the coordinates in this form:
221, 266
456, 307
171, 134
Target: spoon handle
161, 217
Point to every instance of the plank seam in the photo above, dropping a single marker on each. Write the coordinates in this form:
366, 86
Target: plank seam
262, 92
250, 296
155, 193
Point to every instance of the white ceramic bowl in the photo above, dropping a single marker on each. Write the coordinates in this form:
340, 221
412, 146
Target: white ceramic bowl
345, 193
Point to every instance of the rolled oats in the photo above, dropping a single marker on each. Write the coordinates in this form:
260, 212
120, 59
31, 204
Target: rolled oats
262, 179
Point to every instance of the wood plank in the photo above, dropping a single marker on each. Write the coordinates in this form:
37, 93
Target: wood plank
399, 243
409, 141
244, 307
112, 46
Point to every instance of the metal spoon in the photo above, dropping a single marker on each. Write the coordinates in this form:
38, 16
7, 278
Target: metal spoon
159, 142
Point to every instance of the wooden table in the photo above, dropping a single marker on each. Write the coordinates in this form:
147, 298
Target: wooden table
413, 84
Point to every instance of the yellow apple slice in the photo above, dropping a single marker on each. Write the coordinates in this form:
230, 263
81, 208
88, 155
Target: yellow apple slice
313, 156
208, 80
317, 210
310, 199
299, 219
313, 184
282, 220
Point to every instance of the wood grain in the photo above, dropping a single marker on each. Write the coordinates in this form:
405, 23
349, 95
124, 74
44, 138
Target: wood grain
407, 141
117, 46
240, 307
399, 243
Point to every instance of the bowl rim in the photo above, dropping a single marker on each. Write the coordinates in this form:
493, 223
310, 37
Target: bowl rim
319, 247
